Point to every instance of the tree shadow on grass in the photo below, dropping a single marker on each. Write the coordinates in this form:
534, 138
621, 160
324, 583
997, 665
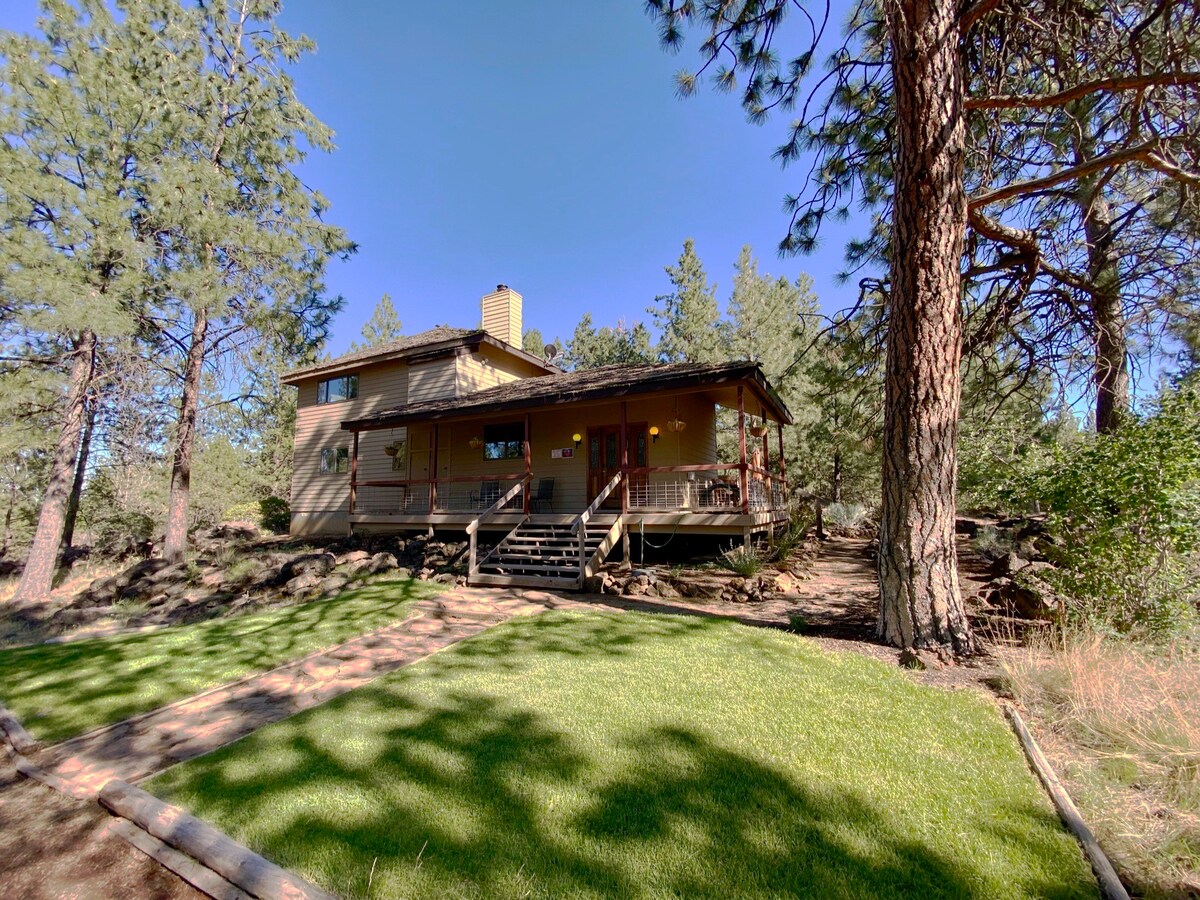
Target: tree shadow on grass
420, 787
62, 689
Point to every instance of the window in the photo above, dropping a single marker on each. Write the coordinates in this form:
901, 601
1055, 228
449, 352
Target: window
344, 387
335, 460
504, 441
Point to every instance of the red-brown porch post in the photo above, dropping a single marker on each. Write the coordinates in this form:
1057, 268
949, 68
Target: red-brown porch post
624, 458
528, 464
782, 464
741, 408
353, 471
433, 464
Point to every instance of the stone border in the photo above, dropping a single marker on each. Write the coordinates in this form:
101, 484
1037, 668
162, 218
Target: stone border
210, 848
1110, 885
203, 879
20, 739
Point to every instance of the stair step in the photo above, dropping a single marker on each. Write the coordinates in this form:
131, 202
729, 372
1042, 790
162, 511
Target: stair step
537, 581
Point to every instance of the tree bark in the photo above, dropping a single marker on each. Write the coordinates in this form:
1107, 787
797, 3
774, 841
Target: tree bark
175, 544
1108, 315
38, 576
920, 606
85, 450
835, 495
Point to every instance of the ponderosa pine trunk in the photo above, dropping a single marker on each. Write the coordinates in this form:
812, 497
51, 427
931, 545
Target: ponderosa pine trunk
1111, 374
179, 501
920, 606
85, 451
38, 575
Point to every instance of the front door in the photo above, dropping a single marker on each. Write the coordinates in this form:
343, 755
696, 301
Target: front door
604, 457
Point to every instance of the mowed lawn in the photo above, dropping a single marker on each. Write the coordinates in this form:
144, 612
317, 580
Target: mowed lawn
61, 690
634, 755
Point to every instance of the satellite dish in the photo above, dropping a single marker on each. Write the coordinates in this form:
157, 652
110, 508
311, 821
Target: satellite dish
551, 352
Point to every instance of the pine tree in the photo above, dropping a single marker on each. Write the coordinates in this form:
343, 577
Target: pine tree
590, 347
532, 342
688, 319
382, 328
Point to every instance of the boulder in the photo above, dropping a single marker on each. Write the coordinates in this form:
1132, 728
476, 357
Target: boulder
304, 583
333, 584
593, 584
318, 564
354, 556
784, 583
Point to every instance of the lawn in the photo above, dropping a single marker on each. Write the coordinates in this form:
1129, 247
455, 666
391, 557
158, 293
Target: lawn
60, 690
637, 755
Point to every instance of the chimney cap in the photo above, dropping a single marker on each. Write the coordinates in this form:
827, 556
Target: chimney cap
502, 287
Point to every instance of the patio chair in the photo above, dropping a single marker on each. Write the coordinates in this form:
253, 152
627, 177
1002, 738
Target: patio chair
544, 496
489, 493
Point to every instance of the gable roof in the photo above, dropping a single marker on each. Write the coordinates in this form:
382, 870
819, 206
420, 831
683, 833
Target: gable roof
607, 382
439, 338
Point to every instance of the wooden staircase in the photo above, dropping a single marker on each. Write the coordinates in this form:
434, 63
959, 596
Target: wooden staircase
540, 555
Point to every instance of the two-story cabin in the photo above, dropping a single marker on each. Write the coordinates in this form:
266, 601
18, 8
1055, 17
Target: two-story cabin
459, 429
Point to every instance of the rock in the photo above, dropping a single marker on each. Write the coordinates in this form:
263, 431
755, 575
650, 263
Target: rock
333, 584
666, 590
636, 587
1012, 564
317, 564
613, 589
302, 584
144, 569
925, 659
1026, 596
593, 584
784, 583
445, 578
354, 556
425, 574
968, 527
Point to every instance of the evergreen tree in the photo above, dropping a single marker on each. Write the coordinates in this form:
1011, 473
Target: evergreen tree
75, 128
590, 347
532, 342
382, 328
688, 319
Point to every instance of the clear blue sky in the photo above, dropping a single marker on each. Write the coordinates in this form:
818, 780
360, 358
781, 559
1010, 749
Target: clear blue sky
531, 143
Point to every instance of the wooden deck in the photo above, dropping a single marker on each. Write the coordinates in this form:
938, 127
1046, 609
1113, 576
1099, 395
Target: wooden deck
651, 522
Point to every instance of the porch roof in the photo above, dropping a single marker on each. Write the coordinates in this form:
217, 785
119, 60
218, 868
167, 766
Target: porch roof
605, 383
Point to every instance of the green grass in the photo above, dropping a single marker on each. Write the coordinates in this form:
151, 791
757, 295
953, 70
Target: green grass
60, 690
636, 755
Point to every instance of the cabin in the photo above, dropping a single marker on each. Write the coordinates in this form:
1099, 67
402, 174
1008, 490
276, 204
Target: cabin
461, 430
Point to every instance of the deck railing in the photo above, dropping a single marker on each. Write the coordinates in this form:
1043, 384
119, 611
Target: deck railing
473, 528
412, 496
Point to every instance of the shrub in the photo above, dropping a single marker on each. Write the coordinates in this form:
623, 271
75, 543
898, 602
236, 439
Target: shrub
275, 514
845, 515
1125, 509
120, 532
745, 561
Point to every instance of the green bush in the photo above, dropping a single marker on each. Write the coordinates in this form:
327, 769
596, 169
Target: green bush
1125, 509
275, 514
744, 561
121, 531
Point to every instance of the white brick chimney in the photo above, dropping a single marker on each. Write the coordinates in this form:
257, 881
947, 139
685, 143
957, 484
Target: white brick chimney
502, 315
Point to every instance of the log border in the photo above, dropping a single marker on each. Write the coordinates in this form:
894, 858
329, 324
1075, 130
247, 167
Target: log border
1111, 887
213, 849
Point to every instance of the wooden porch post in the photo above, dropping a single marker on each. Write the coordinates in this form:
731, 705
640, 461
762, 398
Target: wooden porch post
766, 455
624, 458
528, 464
433, 471
741, 408
353, 470
782, 464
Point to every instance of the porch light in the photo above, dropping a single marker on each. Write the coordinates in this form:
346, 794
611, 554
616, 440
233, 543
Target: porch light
476, 443
653, 434
577, 438
676, 425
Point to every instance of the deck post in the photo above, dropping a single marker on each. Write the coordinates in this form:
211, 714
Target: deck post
741, 409
433, 471
782, 464
528, 465
624, 458
353, 470
766, 458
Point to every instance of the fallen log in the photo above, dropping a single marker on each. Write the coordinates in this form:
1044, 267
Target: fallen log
257, 876
1110, 885
200, 877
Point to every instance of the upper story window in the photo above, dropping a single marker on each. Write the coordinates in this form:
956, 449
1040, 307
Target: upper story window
335, 460
505, 441
344, 387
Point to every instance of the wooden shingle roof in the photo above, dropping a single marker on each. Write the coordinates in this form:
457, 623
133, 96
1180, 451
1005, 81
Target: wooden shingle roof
607, 382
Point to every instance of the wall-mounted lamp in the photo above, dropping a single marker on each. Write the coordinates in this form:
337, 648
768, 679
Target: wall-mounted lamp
654, 434
577, 438
676, 425
476, 443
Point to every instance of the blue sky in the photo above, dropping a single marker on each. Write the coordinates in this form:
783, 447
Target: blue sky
537, 144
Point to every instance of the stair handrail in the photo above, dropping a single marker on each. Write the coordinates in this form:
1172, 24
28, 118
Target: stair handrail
579, 526
473, 526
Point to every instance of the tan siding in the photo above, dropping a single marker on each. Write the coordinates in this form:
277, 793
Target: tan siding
432, 380
502, 316
488, 367
319, 500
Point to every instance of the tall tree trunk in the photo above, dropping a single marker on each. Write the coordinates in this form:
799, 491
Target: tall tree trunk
1108, 316
920, 606
836, 493
85, 450
38, 576
175, 544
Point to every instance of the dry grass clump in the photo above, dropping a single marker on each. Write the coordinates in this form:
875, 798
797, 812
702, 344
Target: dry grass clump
1121, 723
